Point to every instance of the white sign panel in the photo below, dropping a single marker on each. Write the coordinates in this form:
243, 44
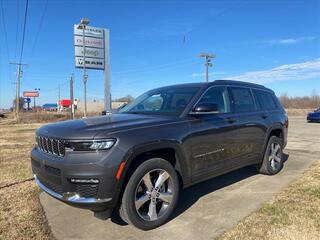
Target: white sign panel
93, 63
89, 31
90, 42
90, 52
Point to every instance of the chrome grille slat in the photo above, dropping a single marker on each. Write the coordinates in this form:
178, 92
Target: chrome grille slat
51, 145
44, 144
55, 147
60, 147
39, 142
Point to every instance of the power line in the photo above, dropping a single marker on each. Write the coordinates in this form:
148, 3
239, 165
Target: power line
24, 29
17, 29
5, 30
40, 26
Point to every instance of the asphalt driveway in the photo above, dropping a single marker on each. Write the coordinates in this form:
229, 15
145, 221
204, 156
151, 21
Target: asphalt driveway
205, 210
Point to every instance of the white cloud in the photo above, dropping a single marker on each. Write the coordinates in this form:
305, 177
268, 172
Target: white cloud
288, 41
297, 71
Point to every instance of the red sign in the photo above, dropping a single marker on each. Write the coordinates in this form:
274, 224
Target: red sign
65, 102
31, 94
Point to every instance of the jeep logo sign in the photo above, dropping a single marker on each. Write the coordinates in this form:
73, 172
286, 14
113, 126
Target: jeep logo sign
90, 52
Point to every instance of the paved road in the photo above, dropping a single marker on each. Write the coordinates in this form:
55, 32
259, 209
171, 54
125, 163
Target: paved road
205, 210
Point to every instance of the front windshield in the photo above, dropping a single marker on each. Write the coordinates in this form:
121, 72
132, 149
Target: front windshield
165, 101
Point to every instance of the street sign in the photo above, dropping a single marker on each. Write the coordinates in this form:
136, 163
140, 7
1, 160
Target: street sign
27, 100
31, 94
90, 52
94, 63
90, 42
89, 31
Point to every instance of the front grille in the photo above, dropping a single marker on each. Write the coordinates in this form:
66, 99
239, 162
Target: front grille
87, 190
51, 145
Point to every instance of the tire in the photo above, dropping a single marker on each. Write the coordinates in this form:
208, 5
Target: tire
148, 204
272, 162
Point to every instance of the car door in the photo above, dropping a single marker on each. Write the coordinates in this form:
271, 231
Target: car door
209, 144
251, 125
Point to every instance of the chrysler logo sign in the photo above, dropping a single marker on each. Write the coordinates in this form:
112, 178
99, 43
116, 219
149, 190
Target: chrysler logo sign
89, 31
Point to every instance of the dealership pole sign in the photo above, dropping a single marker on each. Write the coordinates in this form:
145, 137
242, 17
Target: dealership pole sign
94, 47
96, 42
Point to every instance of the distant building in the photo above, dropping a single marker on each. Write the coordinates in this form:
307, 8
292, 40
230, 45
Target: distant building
50, 107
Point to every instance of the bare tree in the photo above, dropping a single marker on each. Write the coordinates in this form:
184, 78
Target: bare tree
21, 103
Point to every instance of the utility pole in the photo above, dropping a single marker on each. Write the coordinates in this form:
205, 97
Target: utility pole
19, 75
208, 63
71, 97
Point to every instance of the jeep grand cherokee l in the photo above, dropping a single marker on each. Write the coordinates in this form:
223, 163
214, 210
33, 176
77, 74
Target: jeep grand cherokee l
136, 161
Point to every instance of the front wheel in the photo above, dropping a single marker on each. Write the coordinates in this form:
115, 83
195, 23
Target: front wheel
150, 195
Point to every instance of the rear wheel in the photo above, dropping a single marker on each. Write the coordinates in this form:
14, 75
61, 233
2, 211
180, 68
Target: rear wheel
150, 195
272, 162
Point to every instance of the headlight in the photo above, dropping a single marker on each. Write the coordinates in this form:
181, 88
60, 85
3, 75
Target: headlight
94, 145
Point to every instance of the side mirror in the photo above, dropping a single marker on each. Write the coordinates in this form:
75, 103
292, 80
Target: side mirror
206, 108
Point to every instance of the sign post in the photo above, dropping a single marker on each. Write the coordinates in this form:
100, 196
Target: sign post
91, 47
106, 73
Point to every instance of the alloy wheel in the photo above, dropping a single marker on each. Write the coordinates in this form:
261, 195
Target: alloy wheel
275, 156
154, 194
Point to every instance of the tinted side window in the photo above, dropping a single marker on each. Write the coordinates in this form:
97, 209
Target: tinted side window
242, 100
265, 100
219, 96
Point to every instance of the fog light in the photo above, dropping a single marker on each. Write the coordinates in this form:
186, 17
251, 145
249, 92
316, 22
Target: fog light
84, 180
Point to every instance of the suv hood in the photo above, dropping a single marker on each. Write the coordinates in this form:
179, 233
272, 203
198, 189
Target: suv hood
90, 127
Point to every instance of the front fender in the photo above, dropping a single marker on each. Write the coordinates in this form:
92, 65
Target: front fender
137, 150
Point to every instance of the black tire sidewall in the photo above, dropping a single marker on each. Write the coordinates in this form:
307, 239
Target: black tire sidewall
128, 200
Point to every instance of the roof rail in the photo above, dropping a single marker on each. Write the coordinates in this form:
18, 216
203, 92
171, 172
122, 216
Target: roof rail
239, 83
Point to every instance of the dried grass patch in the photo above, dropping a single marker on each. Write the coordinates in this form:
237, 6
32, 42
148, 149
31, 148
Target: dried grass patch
293, 214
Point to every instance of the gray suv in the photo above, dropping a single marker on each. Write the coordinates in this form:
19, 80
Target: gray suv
137, 160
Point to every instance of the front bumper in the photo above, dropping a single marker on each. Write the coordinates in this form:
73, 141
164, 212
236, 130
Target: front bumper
71, 197
54, 174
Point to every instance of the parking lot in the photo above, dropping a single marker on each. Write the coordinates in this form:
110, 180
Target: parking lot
205, 210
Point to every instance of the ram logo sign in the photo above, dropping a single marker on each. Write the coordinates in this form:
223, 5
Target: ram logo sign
93, 63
